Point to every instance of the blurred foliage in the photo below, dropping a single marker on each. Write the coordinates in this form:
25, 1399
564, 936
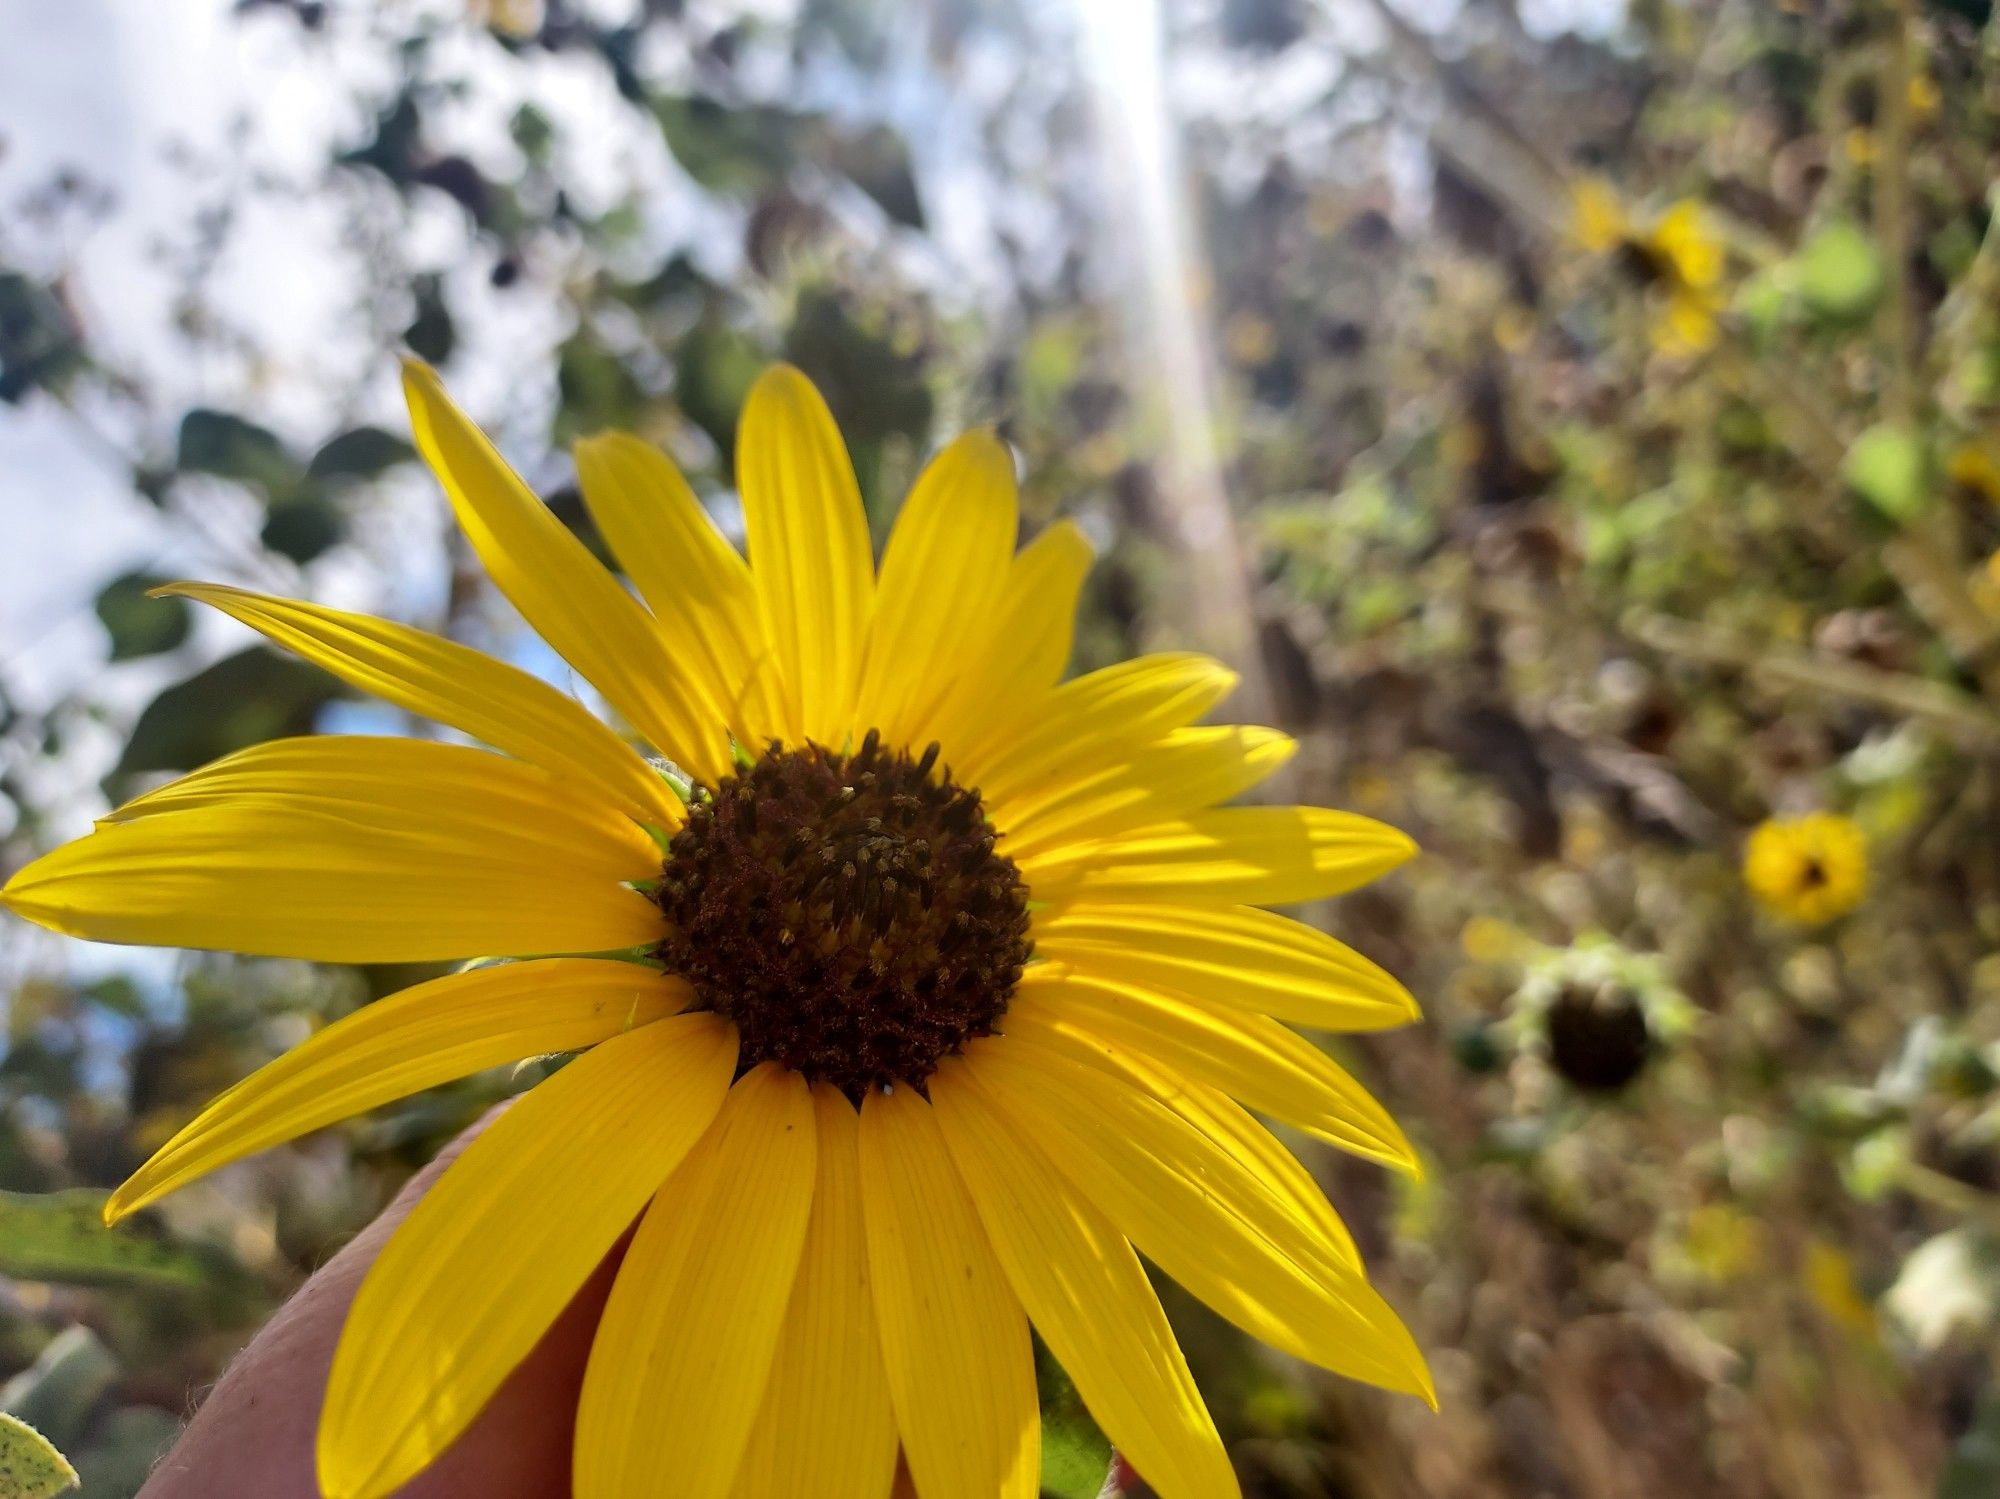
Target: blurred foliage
1612, 421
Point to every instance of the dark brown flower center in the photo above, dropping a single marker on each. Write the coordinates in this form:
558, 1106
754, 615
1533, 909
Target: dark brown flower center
848, 912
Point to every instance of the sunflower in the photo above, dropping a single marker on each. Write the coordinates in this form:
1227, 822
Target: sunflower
916, 992
1677, 256
1808, 869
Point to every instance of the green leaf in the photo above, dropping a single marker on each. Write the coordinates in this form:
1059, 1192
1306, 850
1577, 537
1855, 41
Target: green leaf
223, 444
60, 1236
878, 162
1076, 1456
597, 388
303, 528
138, 625
1840, 273
30, 1466
533, 132
39, 349
724, 148
715, 366
362, 453
241, 700
874, 384
1887, 468
1765, 300
432, 333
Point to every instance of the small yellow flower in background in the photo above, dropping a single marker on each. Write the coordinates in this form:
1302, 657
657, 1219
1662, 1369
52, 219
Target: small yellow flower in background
920, 996
1683, 239
1861, 146
1829, 1281
1723, 1243
1972, 467
1686, 324
1691, 259
1807, 869
1598, 222
1924, 95
1678, 254
1488, 939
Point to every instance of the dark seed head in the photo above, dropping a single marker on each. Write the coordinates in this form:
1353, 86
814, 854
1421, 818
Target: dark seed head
1598, 1037
849, 913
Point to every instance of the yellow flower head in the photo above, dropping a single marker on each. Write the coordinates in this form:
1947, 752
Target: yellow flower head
918, 991
1807, 869
1678, 254
1684, 242
1924, 95
1597, 217
1828, 1274
1972, 467
1685, 323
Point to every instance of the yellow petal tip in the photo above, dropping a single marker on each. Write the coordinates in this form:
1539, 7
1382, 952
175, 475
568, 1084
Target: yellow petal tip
1403, 847
780, 382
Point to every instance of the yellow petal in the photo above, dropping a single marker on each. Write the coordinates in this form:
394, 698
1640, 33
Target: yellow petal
810, 557
1007, 671
1253, 856
1085, 726
459, 686
1215, 1114
1233, 955
942, 573
448, 1028
353, 851
826, 1427
1087, 1294
679, 1365
690, 576
954, 1339
475, 1275
1255, 1060
1201, 1215
1218, 1116
560, 589
1189, 770
399, 779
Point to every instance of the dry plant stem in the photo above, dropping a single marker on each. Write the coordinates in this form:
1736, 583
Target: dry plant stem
1957, 712
1892, 219
1880, 1451
1958, 1198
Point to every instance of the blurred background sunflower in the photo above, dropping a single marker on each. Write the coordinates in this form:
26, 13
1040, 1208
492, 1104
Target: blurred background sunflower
1578, 421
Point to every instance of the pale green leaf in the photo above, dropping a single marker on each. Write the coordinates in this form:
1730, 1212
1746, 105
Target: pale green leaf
30, 1466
